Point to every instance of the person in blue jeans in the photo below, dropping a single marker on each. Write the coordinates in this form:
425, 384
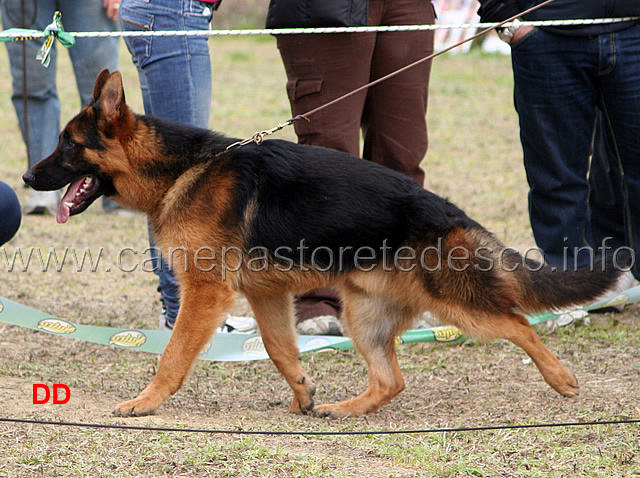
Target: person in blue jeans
606, 189
568, 80
175, 79
10, 214
88, 57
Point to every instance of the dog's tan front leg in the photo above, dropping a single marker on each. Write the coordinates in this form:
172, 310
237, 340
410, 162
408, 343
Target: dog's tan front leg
275, 318
202, 309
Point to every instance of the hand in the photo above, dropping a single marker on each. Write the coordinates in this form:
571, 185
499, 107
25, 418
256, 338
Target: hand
520, 33
112, 7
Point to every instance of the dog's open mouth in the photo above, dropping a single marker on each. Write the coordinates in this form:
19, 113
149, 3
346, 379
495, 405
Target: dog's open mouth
80, 194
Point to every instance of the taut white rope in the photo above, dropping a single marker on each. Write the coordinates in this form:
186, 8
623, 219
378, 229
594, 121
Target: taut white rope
299, 31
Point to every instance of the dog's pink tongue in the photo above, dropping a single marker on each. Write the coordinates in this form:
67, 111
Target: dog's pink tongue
64, 208
63, 214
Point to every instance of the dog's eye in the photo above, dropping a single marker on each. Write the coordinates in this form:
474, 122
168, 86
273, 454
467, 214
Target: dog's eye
70, 142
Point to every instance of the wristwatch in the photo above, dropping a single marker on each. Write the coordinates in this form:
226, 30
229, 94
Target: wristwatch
506, 33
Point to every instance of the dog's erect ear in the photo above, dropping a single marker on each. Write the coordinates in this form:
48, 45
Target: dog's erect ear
100, 81
111, 97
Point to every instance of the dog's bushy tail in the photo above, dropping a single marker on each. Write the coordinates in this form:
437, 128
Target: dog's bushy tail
483, 274
544, 287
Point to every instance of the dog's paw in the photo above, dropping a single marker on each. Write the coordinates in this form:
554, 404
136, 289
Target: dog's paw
563, 382
303, 396
303, 403
303, 407
135, 408
568, 387
331, 411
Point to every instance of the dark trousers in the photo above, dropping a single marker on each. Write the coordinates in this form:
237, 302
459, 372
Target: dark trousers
606, 197
562, 84
391, 115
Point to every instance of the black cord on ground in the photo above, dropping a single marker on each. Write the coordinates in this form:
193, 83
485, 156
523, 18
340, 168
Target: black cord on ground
324, 433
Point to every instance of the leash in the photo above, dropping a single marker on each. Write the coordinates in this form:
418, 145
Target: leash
259, 136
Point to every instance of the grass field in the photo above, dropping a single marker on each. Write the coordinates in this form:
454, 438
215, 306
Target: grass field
474, 159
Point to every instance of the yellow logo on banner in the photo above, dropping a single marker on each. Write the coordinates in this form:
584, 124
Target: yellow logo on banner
129, 338
253, 346
57, 326
617, 300
446, 334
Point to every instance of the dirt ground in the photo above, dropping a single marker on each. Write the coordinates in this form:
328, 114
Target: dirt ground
448, 385
470, 384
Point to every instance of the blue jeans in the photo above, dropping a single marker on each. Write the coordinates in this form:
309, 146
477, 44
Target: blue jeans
9, 212
561, 84
175, 79
88, 56
606, 198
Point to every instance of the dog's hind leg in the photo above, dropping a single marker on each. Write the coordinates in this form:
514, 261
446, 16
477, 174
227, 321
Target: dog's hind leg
274, 315
516, 328
372, 324
202, 310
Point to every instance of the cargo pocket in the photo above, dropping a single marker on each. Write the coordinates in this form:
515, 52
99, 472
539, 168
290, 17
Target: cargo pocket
299, 88
302, 96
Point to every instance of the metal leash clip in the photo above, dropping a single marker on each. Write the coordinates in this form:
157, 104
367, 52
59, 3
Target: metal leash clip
258, 138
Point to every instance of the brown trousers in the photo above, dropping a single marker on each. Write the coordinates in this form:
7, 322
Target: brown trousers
391, 115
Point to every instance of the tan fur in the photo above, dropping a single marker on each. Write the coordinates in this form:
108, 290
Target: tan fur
378, 305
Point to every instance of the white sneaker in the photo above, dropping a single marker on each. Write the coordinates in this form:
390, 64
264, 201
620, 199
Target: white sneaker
239, 325
626, 281
426, 321
321, 325
42, 202
163, 323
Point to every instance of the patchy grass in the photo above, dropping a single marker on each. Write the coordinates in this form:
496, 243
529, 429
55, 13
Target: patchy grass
475, 159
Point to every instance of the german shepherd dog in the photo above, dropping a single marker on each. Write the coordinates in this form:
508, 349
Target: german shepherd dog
320, 218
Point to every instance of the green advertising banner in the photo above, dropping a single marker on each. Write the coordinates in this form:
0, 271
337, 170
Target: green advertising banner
227, 347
